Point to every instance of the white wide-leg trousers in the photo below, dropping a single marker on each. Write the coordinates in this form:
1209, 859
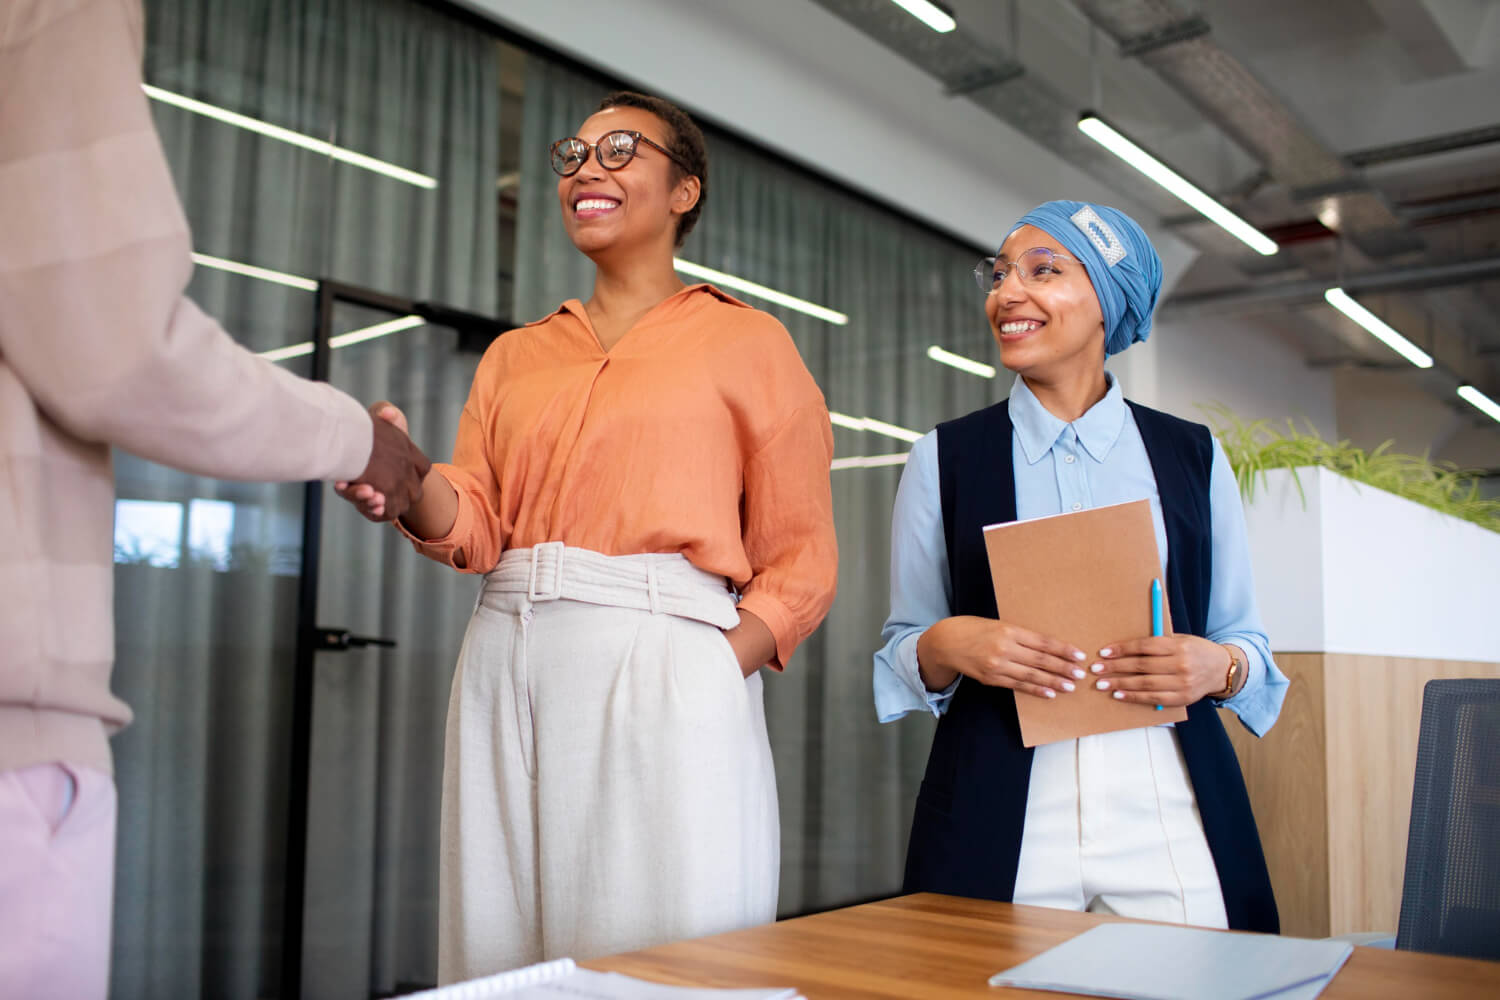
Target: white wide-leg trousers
1112, 826
607, 779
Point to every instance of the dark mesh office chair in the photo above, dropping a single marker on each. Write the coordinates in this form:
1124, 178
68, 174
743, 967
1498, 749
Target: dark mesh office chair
1450, 901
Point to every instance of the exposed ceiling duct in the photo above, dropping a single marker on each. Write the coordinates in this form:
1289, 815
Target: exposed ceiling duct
1179, 47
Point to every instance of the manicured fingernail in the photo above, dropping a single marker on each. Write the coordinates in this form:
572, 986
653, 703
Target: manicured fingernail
1102, 685
1106, 651
1078, 655
1119, 696
1050, 693
1067, 685
1079, 674
1097, 668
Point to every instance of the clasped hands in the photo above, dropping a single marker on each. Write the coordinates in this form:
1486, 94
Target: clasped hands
392, 482
1153, 670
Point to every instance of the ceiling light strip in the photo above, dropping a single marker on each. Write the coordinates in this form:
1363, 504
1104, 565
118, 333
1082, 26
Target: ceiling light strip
960, 362
1111, 139
320, 146
359, 336
937, 18
1378, 328
378, 330
874, 426
869, 461
290, 351
251, 271
760, 291
1480, 402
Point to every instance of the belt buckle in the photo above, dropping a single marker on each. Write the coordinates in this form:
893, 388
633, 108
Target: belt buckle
555, 591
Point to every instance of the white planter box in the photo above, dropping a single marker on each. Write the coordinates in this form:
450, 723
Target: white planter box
1359, 570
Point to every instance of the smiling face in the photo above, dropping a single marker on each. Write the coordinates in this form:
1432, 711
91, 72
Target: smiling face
1045, 330
634, 208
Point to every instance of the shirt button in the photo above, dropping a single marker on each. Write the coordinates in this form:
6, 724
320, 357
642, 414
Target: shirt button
1078, 506
1069, 460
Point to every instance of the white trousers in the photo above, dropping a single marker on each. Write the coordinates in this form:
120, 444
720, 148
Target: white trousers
1112, 826
607, 779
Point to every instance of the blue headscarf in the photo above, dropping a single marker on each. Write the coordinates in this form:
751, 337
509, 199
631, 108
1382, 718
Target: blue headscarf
1119, 259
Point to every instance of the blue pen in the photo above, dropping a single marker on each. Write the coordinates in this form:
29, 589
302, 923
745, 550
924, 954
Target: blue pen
1156, 626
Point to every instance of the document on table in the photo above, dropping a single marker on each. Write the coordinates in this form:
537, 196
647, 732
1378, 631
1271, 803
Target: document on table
563, 980
1162, 962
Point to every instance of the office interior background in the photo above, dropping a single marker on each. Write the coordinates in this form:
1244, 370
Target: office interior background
860, 164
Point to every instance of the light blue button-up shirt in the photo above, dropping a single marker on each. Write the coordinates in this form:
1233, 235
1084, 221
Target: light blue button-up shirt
1097, 460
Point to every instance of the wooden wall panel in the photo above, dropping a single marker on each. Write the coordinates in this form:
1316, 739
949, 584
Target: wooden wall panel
1286, 774
1374, 718
1331, 785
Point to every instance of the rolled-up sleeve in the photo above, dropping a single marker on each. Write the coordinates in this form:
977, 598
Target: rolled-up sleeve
920, 589
474, 543
1232, 613
788, 529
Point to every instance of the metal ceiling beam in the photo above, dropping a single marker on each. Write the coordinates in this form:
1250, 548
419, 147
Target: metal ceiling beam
1431, 146
1264, 298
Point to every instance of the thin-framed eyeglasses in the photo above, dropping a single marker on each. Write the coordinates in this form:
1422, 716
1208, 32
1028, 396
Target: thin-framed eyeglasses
613, 150
1034, 267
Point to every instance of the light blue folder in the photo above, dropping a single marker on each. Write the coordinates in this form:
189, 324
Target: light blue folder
1161, 962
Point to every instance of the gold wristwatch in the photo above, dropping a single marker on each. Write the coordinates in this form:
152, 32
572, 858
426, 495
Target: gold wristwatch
1236, 668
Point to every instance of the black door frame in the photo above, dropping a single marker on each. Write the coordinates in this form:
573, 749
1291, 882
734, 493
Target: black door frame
475, 332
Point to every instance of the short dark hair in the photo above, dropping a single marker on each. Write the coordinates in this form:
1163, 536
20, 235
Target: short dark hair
685, 140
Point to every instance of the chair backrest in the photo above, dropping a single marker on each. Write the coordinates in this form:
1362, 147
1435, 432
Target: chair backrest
1450, 902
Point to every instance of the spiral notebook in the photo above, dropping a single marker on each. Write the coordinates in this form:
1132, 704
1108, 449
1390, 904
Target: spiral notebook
564, 980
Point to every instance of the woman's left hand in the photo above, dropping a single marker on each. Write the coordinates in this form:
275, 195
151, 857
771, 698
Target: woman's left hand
752, 642
1161, 670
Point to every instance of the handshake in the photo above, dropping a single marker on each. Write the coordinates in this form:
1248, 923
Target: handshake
392, 482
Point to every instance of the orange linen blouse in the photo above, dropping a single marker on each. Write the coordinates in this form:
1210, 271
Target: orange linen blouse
700, 432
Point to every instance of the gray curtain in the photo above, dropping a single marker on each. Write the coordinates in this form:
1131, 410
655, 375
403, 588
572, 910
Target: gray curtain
206, 632
847, 785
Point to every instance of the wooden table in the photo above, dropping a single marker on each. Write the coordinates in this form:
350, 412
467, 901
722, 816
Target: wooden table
945, 946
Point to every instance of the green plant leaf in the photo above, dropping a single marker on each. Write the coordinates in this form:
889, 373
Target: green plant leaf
1256, 447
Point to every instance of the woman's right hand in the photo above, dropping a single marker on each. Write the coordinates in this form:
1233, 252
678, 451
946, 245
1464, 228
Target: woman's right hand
998, 654
370, 501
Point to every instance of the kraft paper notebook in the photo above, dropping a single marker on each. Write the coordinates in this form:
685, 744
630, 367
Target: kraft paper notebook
1084, 578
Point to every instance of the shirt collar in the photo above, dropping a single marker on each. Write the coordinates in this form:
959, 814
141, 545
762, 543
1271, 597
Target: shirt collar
1038, 429
690, 296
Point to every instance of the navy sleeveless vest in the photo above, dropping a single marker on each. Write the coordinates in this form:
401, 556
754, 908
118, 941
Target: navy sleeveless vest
966, 833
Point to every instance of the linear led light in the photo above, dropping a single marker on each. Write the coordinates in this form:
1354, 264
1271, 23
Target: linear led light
1475, 398
320, 146
760, 291
928, 13
1382, 331
289, 351
876, 426
251, 271
364, 333
960, 362
869, 461
1107, 136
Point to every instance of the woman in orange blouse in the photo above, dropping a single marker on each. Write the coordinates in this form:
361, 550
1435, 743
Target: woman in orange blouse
643, 480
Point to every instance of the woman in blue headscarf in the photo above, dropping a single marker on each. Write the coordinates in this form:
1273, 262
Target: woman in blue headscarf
1151, 823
